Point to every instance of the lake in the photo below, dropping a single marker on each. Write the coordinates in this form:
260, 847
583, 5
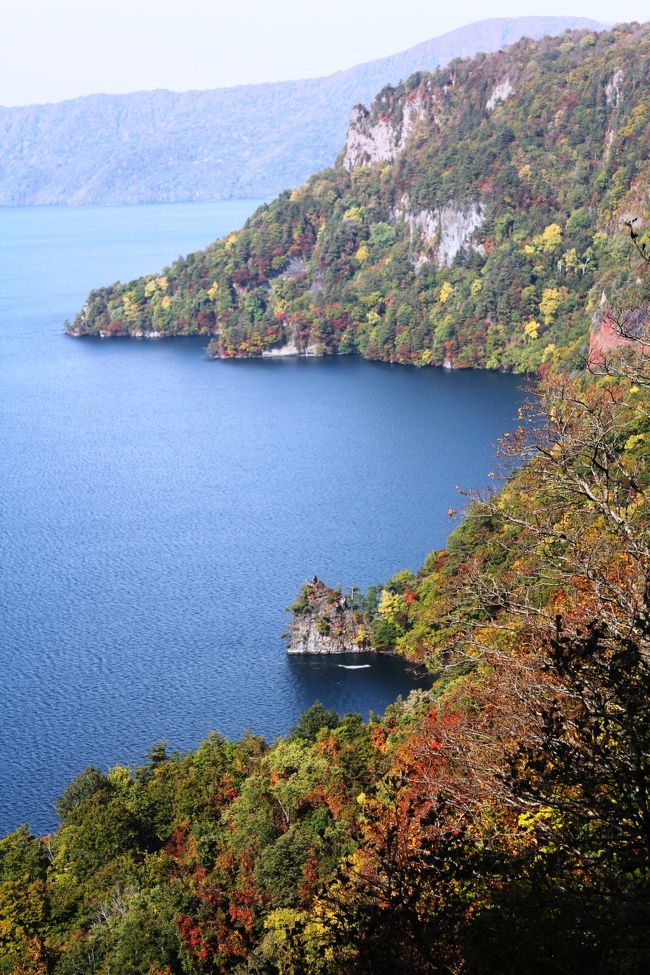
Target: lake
160, 510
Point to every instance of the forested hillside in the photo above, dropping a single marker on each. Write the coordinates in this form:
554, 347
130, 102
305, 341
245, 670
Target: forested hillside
246, 142
473, 219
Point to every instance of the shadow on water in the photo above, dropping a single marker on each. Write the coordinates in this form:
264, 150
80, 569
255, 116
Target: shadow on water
352, 682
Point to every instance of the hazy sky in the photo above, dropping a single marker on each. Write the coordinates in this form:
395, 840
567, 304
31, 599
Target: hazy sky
55, 49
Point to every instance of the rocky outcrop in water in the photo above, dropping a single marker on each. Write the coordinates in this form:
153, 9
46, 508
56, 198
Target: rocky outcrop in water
324, 622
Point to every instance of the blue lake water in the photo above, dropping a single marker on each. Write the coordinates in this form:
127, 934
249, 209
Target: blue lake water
160, 511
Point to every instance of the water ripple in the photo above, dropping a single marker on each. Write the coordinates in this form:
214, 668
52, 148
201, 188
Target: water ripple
159, 511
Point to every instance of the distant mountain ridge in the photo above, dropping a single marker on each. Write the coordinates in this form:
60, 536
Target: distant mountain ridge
246, 141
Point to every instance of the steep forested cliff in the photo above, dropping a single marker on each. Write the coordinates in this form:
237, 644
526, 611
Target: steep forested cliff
473, 218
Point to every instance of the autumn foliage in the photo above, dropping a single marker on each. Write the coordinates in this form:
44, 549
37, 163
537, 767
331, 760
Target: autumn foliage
498, 823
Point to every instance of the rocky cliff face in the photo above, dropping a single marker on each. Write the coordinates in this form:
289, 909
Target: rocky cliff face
438, 235
373, 139
379, 134
500, 92
323, 622
613, 330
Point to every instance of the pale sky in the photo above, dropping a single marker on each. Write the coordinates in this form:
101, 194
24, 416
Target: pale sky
56, 49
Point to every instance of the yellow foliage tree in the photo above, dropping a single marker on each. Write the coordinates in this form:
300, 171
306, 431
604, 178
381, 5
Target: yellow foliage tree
549, 352
551, 238
130, 305
549, 302
354, 215
570, 261
362, 254
531, 329
120, 777
391, 605
373, 300
154, 285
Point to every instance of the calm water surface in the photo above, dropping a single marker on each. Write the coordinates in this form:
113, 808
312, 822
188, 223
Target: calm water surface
160, 511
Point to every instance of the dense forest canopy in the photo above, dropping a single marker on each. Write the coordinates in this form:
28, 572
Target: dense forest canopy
473, 219
499, 823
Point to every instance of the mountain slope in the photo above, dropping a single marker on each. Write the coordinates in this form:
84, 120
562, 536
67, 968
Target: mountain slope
242, 142
473, 219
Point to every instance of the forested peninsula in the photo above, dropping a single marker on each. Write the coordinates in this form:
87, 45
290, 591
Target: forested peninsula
473, 219
500, 822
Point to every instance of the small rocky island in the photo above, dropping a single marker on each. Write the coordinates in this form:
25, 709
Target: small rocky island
324, 621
